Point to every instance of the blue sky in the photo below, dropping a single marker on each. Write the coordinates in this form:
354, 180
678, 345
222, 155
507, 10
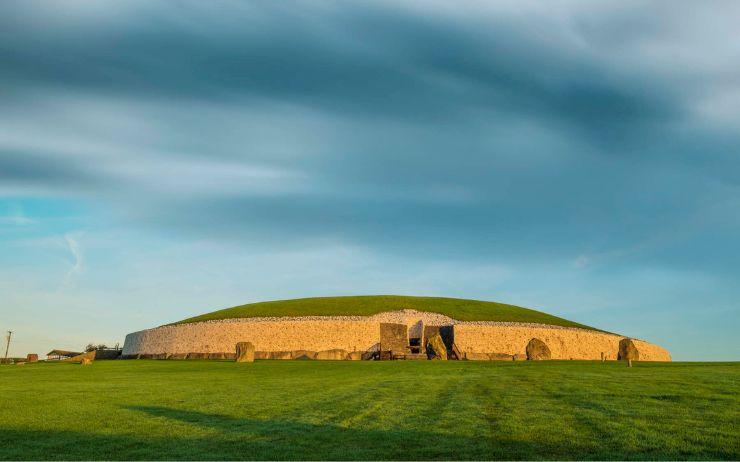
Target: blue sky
164, 159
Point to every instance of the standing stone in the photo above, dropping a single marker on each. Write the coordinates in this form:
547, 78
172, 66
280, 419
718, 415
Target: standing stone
244, 352
446, 332
84, 358
537, 350
394, 337
436, 347
628, 351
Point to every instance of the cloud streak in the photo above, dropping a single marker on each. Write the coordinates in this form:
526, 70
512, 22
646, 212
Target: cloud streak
368, 120
76, 268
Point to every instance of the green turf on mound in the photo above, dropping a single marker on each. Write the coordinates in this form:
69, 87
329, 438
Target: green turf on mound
456, 308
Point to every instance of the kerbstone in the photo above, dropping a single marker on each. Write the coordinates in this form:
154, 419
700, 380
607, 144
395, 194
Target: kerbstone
470, 356
332, 355
303, 355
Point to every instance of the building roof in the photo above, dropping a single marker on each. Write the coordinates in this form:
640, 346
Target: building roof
62, 353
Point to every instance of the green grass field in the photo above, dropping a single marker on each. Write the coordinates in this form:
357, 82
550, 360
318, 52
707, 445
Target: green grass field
457, 308
370, 410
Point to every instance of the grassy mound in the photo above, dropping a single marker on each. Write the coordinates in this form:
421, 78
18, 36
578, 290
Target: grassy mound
456, 308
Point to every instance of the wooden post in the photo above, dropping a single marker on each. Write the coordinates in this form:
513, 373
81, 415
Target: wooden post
7, 345
602, 357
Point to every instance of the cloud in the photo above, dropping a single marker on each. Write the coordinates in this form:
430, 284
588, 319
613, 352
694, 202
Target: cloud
364, 59
76, 268
25, 168
16, 216
490, 131
548, 157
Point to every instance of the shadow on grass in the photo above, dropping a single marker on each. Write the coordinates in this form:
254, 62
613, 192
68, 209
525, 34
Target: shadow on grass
288, 439
223, 437
253, 439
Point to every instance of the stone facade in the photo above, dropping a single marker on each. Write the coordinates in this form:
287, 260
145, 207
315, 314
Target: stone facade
563, 342
361, 334
287, 335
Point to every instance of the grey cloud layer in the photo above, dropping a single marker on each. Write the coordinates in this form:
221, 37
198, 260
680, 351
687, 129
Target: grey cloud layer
361, 60
395, 128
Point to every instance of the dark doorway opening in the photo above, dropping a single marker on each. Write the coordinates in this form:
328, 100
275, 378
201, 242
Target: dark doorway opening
415, 345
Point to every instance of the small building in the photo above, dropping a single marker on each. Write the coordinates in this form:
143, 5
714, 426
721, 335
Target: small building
58, 355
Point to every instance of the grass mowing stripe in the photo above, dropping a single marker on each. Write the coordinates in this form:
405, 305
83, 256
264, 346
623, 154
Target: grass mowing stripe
369, 410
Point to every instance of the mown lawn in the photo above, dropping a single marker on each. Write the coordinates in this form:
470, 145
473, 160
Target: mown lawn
370, 410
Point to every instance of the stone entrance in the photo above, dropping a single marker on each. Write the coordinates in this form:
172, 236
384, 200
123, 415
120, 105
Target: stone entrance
401, 341
394, 338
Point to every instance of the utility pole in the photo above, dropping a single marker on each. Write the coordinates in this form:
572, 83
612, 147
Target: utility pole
7, 345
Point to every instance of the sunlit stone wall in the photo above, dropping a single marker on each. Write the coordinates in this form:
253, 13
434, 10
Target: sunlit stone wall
564, 342
358, 333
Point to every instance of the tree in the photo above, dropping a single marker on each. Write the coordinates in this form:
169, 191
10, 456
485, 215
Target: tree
93, 347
